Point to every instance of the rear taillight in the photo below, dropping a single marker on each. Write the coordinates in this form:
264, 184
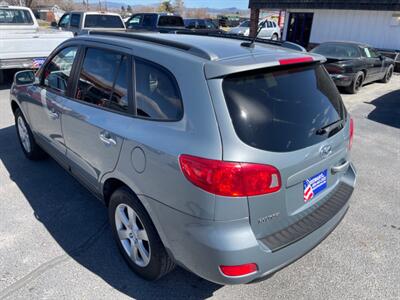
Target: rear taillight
239, 270
334, 69
233, 179
351, 133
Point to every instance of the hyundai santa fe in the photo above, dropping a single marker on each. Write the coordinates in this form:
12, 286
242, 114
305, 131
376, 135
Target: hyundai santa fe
229, 159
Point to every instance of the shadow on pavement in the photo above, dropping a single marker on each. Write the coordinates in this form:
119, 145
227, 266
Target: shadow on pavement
387, 109
78, 223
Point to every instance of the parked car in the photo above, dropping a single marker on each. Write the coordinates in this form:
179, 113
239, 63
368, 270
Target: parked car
351, 65
81, 22
229, 162
269, 30
229, 21
155, 22
202, 25
22, 44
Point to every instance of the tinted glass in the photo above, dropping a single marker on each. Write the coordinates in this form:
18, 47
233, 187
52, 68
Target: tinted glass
57, 72
119, 98
337, 50
65, 20
149, 20
157, 95
75, 20
97, 77
373, 53
15, 16
282, 110
170, 21
135, 20
245, 24
103, 21
210, 24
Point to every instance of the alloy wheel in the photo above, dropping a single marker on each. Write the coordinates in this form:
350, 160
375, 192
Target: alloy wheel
23, 134
132, 235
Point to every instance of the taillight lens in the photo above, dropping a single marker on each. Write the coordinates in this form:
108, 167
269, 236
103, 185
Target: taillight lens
233, 179
296, 60
351, 132
239, 270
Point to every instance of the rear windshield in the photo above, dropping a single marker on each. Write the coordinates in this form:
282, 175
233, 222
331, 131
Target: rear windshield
170, 21
337, 50
103, 21
15, 16
282, 110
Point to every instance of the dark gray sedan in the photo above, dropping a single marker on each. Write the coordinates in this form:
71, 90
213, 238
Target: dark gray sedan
351, 65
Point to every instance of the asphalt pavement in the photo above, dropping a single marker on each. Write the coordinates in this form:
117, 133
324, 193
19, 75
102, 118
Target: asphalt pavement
55, 241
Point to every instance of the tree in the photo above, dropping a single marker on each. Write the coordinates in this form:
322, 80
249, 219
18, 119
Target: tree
166, 6
179, 7
123, 8
129, 9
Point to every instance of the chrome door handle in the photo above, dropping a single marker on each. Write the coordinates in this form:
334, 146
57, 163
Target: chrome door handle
340, 168
106, 138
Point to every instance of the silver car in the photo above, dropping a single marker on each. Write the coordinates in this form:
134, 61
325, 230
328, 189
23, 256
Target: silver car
229, 160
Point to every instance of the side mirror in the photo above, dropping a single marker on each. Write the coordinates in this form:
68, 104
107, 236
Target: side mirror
382, 57
54, 24
24, 77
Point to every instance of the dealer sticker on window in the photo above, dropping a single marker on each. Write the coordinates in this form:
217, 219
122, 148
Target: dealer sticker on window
314, 185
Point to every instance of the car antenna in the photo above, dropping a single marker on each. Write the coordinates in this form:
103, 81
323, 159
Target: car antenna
251, 44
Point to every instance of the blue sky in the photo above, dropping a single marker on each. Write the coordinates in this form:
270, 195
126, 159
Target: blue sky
242, 4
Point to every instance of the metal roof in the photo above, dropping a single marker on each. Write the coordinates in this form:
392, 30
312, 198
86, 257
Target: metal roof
391, 5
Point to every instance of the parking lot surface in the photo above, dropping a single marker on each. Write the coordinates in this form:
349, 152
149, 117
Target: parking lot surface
55, 241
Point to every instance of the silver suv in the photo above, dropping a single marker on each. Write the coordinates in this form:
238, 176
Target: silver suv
227, 158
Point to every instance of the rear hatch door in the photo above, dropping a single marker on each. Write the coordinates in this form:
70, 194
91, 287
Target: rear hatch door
292, 118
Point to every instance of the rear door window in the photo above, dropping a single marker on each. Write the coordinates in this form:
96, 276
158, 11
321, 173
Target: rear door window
103, 80
103, 21
75, 20
172, 21
157, 93
283, 110
15, 16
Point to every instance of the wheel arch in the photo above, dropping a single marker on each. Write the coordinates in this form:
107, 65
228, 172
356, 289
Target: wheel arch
112, 182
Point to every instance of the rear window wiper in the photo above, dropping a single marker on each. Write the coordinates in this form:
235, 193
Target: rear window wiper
330, 127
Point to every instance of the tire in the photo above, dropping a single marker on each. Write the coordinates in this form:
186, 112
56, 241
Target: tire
274, 37
388, 74
30, 148
356, 84
149, 260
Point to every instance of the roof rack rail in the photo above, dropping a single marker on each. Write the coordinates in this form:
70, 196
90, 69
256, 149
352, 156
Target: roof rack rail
178, 45
284, 44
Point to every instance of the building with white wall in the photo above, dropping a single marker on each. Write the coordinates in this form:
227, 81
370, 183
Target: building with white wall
310, 22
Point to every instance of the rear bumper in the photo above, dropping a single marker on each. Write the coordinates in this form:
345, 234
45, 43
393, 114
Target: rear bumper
201, 246
342, 79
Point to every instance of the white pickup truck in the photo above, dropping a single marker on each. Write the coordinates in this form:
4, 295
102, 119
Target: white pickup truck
22, 44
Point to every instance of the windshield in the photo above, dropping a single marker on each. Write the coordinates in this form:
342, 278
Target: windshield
103, 21
337, 50
173, 21
283, 110
15, 17
245, 24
